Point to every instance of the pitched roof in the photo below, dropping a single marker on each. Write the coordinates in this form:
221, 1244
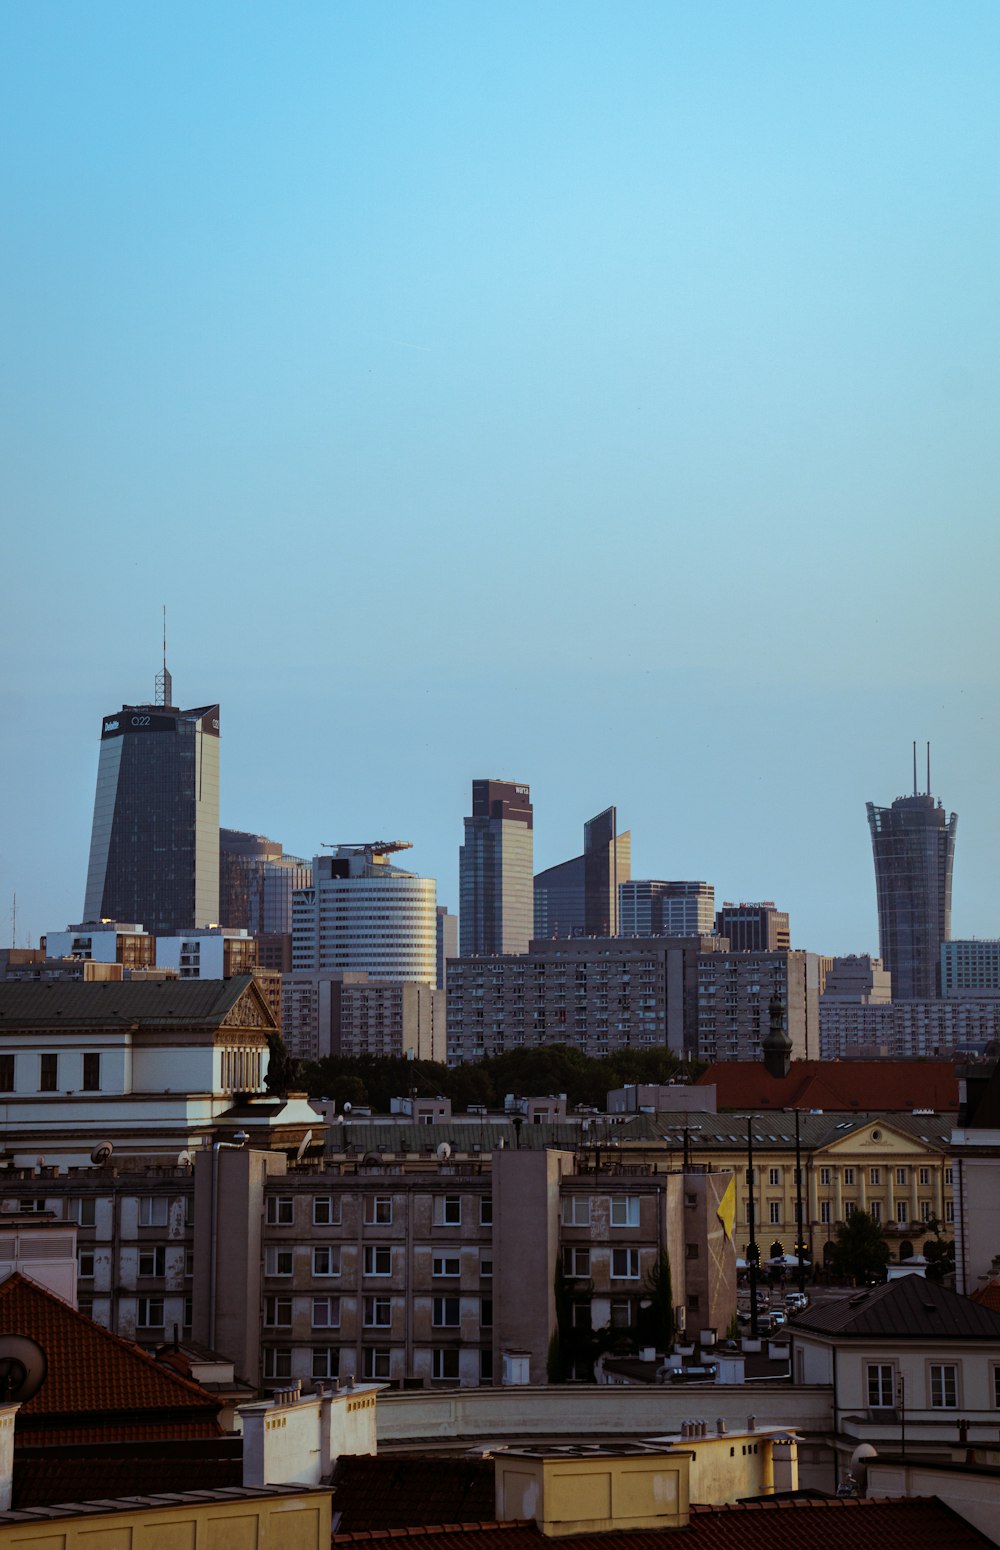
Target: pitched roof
835, 1084
987, 1296
98, 1386
79, 1003
854, 1523
911, 1307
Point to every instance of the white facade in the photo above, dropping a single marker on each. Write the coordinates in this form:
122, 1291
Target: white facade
363, 914
94, 942
196, 954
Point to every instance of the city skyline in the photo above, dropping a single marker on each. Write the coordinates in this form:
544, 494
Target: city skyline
477, 388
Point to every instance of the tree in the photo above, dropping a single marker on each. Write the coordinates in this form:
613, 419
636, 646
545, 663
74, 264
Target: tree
656, 1321
859, 1249
939, 1253
281, 1068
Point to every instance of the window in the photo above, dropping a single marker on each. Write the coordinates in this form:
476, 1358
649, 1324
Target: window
280, 1211
325, 1362
625, 1264
277, 1364
188, 1311
149, 1313
576, 1211
448, 1211
774, 1213
48, 1081
446, 1313
377, 1312
152, 1211
902, 1213
444, 1364
378, 1210
944, 1386
326, 1211
326, 1313
85, 1264
486, 1211
774, 1176
486, 1366
824, 1175
576, 1262
278, 1312
624, 1211
825, 1213
6, 1073
27, 1205
277, 1262
446, 1265
326, 1260
874, 1175
690, 1251
583, 1315
375, 1364
378, 1261
91, 1072
850, 1206
900, 1176
486, 1267
151, 1261
83, 1211
848, 1175
996, 1387
923, 1175
188, 1264
486, 1313
949, 1175
621, 1313
949, 1210
925, 1210
875, 1210
881, 1386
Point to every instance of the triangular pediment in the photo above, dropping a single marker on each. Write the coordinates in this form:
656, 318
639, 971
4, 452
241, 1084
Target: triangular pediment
878, 1138
250, 1011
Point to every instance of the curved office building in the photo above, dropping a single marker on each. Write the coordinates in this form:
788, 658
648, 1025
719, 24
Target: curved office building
363, 913
913, 844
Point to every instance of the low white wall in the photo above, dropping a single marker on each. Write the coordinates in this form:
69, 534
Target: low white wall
594, 1410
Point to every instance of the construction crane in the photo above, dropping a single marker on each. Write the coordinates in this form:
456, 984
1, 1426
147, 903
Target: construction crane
377, 847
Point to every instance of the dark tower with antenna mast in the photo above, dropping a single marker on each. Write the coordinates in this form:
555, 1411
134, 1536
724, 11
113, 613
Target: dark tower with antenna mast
913, 846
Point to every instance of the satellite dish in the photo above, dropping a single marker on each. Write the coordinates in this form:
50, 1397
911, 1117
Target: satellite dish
303, 1145
23, 1368
347, 1108
102, 1152
443, 1152
185, 1160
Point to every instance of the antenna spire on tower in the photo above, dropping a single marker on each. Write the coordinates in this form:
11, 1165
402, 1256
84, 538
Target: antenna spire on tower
928, 769
164, 682
914, 766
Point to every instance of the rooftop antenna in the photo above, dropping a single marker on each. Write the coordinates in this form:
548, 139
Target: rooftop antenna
914, 766
928, 769
164, 682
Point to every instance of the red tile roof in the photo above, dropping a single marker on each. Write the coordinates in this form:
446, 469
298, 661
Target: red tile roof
874, 1085
98, 1386
857, 1523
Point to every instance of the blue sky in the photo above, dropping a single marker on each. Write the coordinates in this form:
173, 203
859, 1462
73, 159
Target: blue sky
599, 395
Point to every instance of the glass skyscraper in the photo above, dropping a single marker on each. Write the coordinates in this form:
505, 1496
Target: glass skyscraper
495, 870
913, 843
154, 848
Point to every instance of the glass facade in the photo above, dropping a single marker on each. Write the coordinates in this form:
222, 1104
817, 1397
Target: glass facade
913, 844
496, 870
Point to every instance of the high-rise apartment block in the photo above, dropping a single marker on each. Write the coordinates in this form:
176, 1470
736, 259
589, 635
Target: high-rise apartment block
734, 989
597, 994
327, 1012
754, 928
361, 912
909, 1030
859, 980
649, 907
913, 844
495, 870
154, 850
580, 897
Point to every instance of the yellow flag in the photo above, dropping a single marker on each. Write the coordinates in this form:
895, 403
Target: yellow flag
726, 1211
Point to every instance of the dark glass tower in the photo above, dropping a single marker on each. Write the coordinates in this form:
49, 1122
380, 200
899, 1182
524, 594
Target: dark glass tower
495, 870
154, 849
913, 843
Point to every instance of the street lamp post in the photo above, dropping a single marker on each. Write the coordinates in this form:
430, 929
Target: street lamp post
800, 1270
752, 1245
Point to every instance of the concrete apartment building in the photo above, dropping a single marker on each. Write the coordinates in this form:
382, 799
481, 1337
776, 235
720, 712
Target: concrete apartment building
970, 967
908, 1030
329, 1012
734, 989
598, 994
443, 1274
